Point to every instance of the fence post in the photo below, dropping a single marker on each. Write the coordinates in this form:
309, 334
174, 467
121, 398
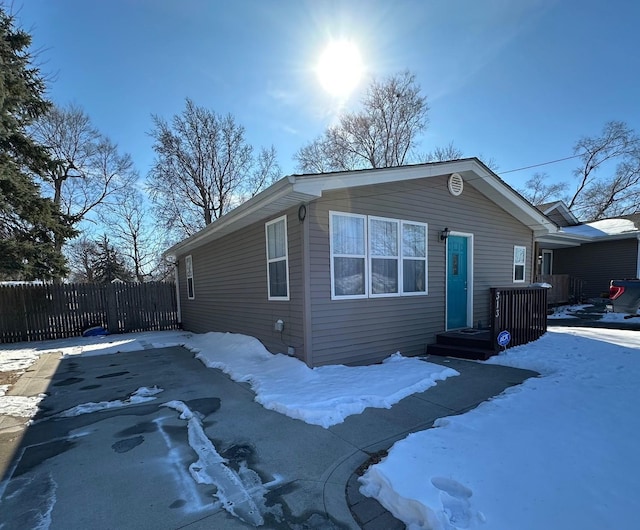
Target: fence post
113, 324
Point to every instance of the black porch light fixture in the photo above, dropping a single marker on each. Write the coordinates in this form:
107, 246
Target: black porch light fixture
444, 234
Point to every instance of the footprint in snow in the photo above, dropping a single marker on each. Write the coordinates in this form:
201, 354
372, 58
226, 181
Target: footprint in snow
455, 501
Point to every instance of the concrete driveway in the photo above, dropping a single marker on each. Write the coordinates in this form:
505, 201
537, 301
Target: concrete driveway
165, 462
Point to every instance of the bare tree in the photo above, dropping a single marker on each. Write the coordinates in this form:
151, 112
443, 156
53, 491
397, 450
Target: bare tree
203, 168
87, 169
537, 191
452, 152
129, 224
81, 255
609, 174
383, 133
442, 154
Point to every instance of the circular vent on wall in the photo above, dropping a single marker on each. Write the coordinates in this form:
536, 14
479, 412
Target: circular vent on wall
456, 184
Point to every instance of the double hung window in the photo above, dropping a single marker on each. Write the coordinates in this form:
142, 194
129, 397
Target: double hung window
519, 261
188, 263
277, 259
348, 255
384, 253
414, 258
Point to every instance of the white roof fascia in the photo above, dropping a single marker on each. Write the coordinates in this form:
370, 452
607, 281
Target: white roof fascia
562, 239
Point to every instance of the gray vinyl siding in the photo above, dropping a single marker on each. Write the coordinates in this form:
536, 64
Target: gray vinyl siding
596, 264
368, 330
230, 285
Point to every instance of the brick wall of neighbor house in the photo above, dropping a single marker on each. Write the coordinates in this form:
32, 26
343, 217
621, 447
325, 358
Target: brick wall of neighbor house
596, 264
368, 330
230, 286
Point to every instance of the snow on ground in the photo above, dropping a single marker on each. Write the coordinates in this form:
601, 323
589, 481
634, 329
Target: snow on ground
558, 451
619, 317
569, 311
242, 492
320, 396
19, 406
142, 395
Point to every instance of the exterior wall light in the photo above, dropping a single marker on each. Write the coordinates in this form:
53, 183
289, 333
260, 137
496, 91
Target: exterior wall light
444, 234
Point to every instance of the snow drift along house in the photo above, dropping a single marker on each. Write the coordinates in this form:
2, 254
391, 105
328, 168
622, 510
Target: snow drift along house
351, 267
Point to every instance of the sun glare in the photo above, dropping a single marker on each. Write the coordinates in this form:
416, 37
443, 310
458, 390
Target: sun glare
340, 68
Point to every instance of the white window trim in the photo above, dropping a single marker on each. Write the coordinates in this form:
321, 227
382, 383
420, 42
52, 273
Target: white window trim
523, 264
284, 258
425, 259
371, 257
400, 223
188, 265
364, 256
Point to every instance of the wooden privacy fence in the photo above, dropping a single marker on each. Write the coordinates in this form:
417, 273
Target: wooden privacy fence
55, 311
565, 289
522, 312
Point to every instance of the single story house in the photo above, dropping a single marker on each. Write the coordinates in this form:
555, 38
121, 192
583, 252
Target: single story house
350, 267
593, 253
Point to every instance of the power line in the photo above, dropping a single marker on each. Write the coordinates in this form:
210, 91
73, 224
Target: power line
631, 141
541, 164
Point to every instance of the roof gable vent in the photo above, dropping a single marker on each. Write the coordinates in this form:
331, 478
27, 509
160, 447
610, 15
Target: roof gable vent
455, 184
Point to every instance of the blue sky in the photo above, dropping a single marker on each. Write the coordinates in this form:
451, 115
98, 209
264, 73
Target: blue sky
518, 81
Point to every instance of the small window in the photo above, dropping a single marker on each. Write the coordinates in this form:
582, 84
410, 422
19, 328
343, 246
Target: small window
188, 262
519, 261
348, 255
277, 259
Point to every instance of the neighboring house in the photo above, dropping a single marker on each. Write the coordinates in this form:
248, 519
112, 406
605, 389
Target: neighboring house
559, 213
593, 253
350, 267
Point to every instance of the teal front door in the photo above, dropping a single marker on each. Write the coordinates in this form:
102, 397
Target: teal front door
457, 282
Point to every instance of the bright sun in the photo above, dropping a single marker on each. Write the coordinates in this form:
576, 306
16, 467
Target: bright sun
340, 68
